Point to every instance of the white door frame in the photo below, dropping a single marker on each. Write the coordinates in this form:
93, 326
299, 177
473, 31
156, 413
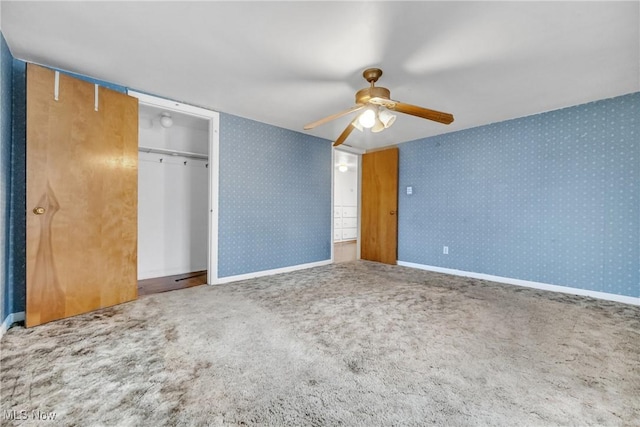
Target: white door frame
213, 118
358, 152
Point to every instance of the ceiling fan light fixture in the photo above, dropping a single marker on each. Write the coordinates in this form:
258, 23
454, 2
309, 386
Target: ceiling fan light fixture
386, 118
368, 118
165, 120
356, 124
378, 127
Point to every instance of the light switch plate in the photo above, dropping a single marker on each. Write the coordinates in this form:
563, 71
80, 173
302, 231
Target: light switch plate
409, 190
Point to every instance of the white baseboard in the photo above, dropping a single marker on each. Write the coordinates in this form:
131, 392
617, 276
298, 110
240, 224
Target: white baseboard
263, 273
10, 320
526, 283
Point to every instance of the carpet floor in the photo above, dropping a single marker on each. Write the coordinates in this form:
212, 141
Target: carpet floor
356, 344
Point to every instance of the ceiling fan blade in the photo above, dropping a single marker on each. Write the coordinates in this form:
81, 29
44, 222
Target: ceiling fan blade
345, 133
333, 117
425, 113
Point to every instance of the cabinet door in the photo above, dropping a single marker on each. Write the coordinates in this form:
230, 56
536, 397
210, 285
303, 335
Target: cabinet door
81, 197
349, 233
350, 222
349, 212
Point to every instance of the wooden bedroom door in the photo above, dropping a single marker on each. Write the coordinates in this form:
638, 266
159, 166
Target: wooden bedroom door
379, 218
81, 197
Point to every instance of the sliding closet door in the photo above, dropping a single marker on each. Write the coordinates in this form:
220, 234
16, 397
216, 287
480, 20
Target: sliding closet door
81, 197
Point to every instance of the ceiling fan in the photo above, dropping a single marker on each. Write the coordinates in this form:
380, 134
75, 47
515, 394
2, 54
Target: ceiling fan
376, 102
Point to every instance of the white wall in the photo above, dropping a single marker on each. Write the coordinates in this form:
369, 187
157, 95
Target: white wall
172, 203
346, 188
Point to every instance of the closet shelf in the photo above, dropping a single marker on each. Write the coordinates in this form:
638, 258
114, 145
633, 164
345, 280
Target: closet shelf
172, 152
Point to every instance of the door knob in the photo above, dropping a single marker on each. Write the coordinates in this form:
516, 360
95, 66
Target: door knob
39, 210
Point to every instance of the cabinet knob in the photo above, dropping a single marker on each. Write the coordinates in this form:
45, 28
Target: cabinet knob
39, 210
392, 212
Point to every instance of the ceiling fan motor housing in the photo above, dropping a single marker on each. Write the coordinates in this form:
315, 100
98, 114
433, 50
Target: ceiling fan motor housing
364, 95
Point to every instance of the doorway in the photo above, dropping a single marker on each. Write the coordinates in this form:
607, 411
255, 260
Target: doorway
346, 197
177, 195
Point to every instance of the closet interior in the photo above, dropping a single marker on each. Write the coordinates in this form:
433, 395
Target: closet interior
173, 202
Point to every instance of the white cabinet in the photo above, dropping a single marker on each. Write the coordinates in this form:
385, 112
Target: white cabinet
345, 201
345, 223
349, 212
349, 233
349, 222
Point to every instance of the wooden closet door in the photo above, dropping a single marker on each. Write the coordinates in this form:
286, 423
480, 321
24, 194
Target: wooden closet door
81, 197
379, 231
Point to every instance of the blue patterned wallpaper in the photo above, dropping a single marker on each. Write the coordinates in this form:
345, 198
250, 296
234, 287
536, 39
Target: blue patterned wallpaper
275, 197
6, 93
17, 268
551, 198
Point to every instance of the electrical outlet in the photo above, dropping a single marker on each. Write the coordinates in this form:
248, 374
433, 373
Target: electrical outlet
445, 250
409, 190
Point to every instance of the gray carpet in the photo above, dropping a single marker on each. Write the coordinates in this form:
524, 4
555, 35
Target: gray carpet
356, 344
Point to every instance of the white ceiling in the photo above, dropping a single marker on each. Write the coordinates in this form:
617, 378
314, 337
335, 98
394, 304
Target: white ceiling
290, 63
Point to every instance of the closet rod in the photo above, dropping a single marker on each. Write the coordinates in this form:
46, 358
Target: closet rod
172, 152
